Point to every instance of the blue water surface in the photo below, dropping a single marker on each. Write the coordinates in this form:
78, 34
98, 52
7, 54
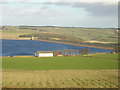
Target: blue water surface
28, 47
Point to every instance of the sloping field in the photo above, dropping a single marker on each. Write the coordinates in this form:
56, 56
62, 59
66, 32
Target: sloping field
60, 79
106, 56
59, 63
86, 34
13, 34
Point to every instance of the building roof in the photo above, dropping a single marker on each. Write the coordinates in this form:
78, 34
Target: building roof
44, 51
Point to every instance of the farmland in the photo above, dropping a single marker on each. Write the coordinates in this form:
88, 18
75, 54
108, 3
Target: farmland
61, 72
60, 79
85, 34
89, 36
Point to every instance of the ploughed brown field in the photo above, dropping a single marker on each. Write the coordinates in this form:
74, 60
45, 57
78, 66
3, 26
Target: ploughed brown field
60, 78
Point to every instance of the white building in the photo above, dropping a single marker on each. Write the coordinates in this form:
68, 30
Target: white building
44, 54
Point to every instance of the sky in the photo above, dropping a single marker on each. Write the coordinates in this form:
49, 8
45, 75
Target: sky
66, 13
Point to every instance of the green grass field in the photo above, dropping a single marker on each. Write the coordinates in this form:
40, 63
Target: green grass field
107, 56
59, 63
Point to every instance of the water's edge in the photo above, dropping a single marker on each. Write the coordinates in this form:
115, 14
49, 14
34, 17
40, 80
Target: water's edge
28, 47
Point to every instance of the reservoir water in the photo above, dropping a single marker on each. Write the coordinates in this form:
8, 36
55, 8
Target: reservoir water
28, 47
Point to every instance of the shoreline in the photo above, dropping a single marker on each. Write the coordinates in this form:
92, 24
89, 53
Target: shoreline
107, 48
75, 44
88, 55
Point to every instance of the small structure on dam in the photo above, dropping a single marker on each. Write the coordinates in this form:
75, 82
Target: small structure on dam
27, 38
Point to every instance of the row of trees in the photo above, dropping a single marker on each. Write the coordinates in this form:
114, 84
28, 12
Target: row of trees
117, 48
69, 52
55, 37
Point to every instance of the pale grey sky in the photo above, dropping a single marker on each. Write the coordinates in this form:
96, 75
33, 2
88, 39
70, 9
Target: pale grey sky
60, 13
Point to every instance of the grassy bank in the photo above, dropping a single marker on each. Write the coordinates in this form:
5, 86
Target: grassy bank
59, 63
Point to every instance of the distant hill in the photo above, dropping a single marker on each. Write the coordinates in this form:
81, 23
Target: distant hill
82, 35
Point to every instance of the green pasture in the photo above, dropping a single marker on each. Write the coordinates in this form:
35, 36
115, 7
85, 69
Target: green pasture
87, 34
107, 56
59, 63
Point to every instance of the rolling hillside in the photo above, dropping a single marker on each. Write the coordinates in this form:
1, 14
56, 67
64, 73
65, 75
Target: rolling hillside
89, 36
